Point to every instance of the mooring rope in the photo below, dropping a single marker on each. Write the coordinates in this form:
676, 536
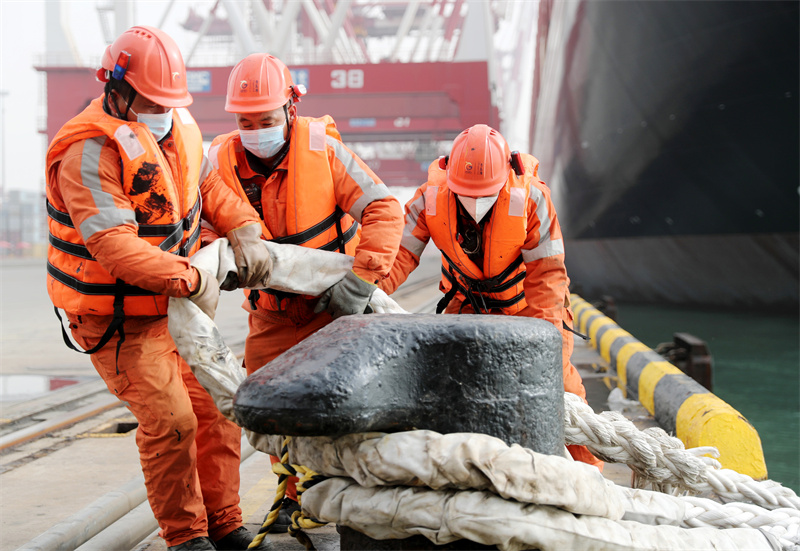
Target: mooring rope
662, 459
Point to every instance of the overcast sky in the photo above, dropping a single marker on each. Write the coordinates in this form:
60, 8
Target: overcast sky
22, 32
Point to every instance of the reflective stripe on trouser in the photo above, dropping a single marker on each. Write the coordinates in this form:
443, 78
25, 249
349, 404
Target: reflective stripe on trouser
572, 379
189, 452
266, 340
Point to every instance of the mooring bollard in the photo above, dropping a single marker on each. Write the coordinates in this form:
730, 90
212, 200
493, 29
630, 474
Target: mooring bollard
495, 375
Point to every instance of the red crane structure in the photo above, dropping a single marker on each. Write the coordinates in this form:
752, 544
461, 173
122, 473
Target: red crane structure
401, 78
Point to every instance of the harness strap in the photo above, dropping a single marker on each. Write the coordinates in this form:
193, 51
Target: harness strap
173, 233
315, 230
85, 288
117, 325
475, 289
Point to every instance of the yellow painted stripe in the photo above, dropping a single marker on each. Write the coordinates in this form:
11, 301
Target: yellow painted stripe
260, 495
581, 315
648, 379
623, 356
608, 339
595, 326
705, 420
576, 299
579, 306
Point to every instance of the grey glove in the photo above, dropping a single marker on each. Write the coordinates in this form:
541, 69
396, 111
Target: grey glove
350, 295
252, 257
206, 296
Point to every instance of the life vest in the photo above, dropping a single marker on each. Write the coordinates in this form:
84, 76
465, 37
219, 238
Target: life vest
498, 283
76, 281
313, 218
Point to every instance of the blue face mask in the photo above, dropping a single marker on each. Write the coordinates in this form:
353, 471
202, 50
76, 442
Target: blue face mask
159, 123
264, 143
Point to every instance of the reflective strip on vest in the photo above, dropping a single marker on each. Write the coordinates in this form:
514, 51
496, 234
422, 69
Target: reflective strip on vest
185, 116
516, 202
108, 215
371, 191
128, 141
430, 200
316, 136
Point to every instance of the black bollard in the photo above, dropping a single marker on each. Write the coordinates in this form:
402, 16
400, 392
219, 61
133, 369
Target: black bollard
495, 375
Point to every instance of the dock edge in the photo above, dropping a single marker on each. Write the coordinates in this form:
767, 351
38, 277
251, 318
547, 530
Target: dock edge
679, 404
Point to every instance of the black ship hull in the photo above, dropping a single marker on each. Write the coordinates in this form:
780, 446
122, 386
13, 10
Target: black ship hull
668, 132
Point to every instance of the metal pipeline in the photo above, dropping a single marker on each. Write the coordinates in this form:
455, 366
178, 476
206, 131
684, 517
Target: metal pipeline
107, 520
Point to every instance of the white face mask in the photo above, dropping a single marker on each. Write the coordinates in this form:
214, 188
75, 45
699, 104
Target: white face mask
263, 142
159, 123
477, 207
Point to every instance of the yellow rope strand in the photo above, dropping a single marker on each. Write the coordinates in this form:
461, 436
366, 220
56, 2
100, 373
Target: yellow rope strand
283, 479
307, 478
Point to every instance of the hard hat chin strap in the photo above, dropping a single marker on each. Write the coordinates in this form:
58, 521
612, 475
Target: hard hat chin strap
288, 124
110, 106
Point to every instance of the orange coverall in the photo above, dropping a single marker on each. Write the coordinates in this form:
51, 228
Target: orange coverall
546, 285
357, 190
189, 452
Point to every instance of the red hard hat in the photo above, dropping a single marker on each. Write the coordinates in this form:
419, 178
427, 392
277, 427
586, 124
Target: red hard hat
259, 83
479, 162
150, 61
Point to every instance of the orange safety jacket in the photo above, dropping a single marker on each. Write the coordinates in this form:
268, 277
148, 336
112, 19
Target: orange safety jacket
522, 244
498, 284
76, 281
313, 218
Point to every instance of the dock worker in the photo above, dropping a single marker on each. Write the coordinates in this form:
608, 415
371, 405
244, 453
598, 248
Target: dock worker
309, 189
502, 251
127, 185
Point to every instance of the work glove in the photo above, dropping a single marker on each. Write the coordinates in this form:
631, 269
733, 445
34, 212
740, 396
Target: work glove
350, 295
253, 262
206, 296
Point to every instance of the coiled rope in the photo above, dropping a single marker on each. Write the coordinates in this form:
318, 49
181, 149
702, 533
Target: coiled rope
662, 461
656, 457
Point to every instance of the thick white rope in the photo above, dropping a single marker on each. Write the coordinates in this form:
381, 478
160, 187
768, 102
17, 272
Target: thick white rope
652, 454
462, 461
783, 524
663, 460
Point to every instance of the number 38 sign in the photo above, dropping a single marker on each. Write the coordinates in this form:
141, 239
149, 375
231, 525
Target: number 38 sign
347, 78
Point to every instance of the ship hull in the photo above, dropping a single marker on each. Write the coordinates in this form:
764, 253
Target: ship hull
668, 132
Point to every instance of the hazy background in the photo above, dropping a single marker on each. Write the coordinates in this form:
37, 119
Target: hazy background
22, 32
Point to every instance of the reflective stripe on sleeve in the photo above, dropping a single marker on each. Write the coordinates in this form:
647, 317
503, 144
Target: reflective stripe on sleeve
549, 248
409, 241
546, 246
213, 155
109, 215
542, 213
205, 169
371, 191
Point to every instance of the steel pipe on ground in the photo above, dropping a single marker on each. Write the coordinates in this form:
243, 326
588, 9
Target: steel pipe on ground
107, 520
